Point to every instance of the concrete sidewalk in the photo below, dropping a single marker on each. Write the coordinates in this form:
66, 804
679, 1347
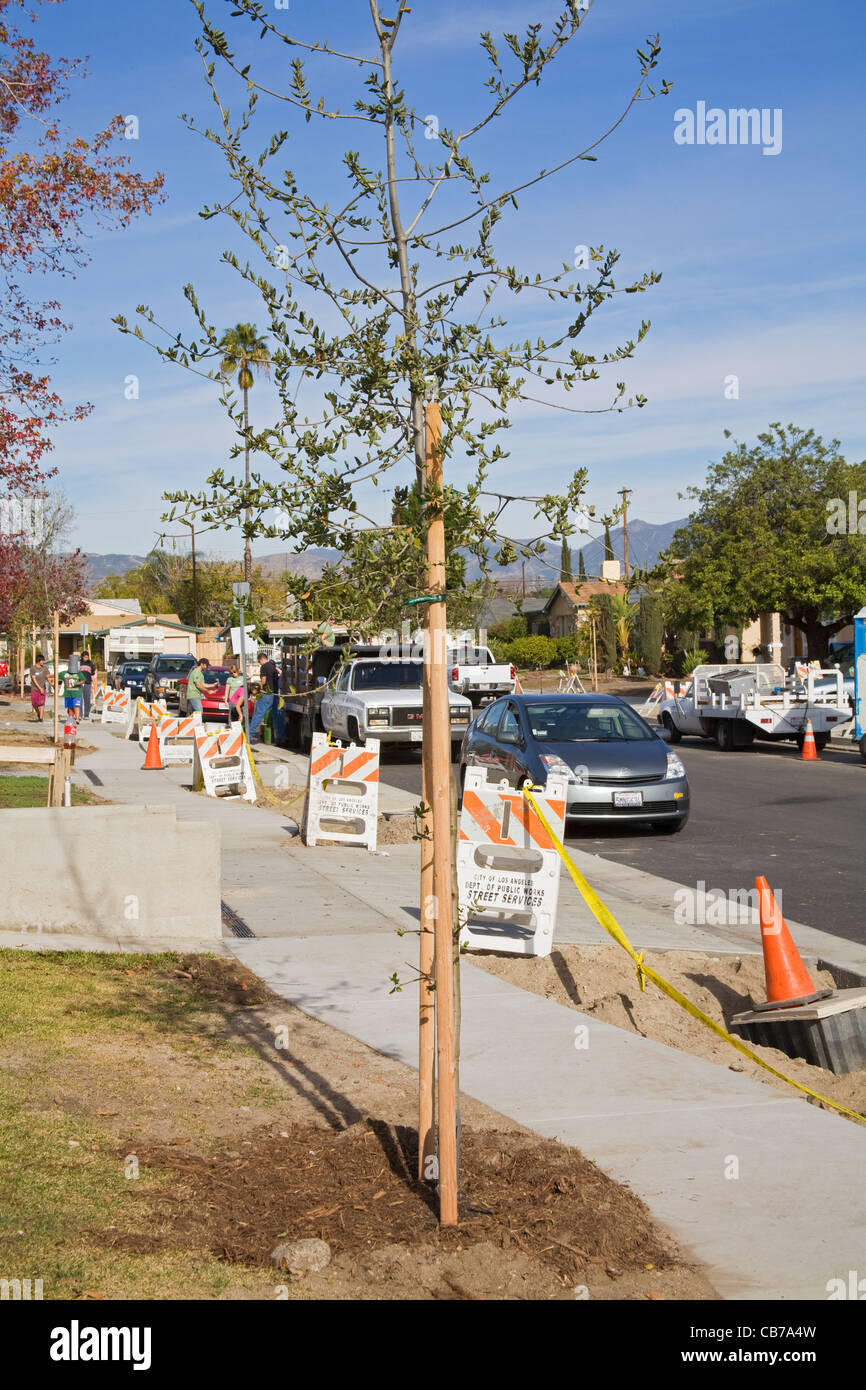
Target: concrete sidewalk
671, 1126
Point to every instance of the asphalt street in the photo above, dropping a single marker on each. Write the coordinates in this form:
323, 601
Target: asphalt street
756, 811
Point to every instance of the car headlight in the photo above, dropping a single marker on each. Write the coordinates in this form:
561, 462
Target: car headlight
554, 764
675, 768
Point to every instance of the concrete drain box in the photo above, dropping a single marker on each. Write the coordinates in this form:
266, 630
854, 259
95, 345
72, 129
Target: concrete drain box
830, 1033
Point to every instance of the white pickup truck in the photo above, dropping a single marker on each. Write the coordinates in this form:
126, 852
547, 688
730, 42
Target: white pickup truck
474, 672
378, 698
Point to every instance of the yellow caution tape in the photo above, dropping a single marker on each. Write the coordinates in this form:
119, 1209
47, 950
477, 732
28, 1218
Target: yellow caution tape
645, 972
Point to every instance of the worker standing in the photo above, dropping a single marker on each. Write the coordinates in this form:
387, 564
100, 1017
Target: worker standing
270, 679
88, 671
195, 685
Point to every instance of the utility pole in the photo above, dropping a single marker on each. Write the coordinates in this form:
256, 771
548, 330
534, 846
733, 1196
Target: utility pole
241, 593
625, 493
194, 578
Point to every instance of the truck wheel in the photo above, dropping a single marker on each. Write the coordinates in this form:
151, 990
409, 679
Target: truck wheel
354, 731
725, 735
671, 727
821, 741
305, 735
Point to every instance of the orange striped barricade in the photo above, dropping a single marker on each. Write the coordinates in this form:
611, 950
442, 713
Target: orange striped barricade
221, 764
115, 707
176, 737
147, 713
507, 866
343, 798
671, 692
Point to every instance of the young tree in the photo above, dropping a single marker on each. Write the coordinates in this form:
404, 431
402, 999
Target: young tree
762, 539
244, 352
54, 188
386, 300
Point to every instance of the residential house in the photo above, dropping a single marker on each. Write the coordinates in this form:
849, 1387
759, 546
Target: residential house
568, 606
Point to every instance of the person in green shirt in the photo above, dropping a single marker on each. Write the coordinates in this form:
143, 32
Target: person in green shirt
73, 685
195, 685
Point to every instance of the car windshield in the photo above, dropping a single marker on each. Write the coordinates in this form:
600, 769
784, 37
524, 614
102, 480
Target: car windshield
173, 663
137, 670
387, 675
564, 721
216, 675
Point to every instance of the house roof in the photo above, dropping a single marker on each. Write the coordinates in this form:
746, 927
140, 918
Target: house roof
123, 605
152, 620
579, 594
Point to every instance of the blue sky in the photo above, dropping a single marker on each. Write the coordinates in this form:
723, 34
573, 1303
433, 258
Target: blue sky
761, 255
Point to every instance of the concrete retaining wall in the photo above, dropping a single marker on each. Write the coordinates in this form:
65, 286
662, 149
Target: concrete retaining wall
131, 871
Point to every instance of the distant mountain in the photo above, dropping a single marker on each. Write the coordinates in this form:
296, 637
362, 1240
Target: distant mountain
98, 566
645, 542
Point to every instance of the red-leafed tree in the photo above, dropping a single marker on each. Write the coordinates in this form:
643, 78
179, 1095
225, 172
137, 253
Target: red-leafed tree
13, 580
55, 187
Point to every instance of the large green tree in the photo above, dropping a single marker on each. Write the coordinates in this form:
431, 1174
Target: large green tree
766, 535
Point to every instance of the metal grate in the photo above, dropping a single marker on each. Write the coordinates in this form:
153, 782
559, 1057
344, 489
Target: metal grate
236, 925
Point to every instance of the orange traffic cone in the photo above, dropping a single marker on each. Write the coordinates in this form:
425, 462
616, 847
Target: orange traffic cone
154, 757
788, 981
809, 753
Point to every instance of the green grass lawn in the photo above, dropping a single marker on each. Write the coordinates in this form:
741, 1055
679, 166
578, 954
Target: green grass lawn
18, 792
95, 1048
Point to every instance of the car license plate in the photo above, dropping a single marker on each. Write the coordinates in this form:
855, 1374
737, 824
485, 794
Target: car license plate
416, 735
628, 798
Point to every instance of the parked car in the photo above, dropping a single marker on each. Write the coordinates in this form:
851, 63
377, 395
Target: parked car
382, 699
162, 676
214, 705
474, 671
129, 675
618, 767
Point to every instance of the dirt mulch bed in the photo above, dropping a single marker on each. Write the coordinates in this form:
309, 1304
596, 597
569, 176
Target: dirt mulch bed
356, 1189
10, 738
600, 981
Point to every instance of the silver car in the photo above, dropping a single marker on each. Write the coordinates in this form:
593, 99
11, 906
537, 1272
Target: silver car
617, 766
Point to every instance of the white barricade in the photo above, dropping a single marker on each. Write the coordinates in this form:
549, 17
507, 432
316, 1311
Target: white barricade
144, 715
98, 693
221, 764
343, 796
115, 707
177, 737
507, 866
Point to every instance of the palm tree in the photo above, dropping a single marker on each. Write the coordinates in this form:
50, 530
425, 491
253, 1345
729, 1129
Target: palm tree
244, 352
